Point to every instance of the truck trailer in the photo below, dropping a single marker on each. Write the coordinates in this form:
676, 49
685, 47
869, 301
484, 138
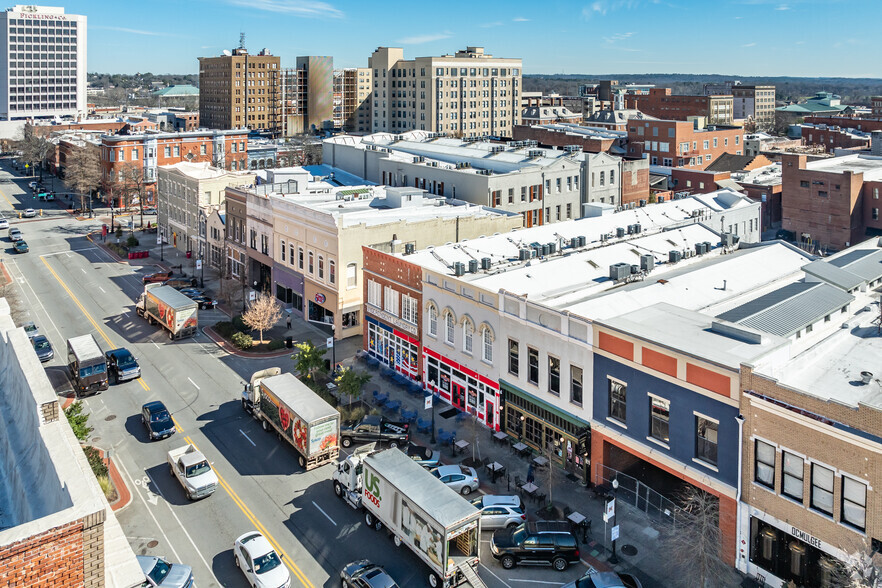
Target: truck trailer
167, 307
419, 511
300, 416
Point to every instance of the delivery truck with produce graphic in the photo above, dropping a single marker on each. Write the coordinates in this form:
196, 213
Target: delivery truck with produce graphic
300, 416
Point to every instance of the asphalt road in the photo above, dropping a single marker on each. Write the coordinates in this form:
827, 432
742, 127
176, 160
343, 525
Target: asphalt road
68, 286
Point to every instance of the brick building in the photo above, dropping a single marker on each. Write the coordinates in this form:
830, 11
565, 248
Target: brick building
834, 137
660, 103
590, 139
831, 203
121, 155
680, 144
853, 122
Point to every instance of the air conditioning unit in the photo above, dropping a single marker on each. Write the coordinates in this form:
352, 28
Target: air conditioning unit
674, 256
409, 248
459, 269
619, 271
473, 266
620, 232
485, 263
647, 262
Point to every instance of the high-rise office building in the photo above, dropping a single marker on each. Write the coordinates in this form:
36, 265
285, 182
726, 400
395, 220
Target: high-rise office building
308, 95
352, 93
43, 63
469, 94
238, 90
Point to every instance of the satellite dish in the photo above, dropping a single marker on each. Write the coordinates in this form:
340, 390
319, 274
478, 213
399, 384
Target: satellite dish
227, 52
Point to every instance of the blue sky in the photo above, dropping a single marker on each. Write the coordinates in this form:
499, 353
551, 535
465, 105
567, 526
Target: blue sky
737, 37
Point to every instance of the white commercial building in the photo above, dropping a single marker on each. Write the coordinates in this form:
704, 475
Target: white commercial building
43, 63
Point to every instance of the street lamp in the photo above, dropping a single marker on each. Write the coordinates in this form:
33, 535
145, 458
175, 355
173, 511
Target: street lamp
202, 277
615, 484
433, 416
521, 432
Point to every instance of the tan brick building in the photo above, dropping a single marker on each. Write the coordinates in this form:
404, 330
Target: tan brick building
241, 91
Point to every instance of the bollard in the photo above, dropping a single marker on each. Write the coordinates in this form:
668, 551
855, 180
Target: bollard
41, 212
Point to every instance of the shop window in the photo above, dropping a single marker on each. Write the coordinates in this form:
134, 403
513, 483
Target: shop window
618, 400
350, 319
487, 345
822, 489
660, 412
533, 365
764, 470
854, 503
433, 321
793, 474
554, 375
450, 325
706, 439
513, 357
576, 385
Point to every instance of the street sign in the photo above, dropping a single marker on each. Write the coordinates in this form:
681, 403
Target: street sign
252, 296
330, 342
614, 533
199, 264
158, 239
428, 402
611, 508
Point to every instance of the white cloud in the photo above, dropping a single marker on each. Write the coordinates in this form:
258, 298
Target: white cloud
303, 8
749, 45
601, 7
428, 38
618, 37
133, 31
520, 19
782, 7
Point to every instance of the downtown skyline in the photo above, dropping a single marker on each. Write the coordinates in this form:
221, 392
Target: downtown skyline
732, 37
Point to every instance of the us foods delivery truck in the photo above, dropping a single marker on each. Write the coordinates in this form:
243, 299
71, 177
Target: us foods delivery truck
167, 307
418, 509
299, 415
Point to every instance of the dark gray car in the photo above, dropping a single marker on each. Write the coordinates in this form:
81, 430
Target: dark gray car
158, 572
364, 574
43, 348
595, 579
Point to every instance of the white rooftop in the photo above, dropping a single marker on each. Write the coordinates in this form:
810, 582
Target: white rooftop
769, 175
869, 165
201, 171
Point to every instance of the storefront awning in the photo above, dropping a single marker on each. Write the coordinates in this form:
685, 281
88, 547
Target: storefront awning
573, 420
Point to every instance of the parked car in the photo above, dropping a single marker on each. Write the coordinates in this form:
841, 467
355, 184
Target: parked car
262, 566
499, 512
461, 478
4, 223
31, 329
32, 185
203, 302
20, 246
157, 419
364, 574
29, 213
156, 277
43, 348
122, 365
595, 579
190, 291
150, 210
180, 282
15, 234
542, 542
428, 458
158, 572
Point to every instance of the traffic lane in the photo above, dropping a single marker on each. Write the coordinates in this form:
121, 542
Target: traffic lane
493, 572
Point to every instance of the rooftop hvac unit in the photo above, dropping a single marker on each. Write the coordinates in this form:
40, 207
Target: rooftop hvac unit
485, 263
535, 153
574, 242
524, 254
635, 268
674, 256
603, 237
708, 246
661, 199
630, 229
459, 269
637, 228
409, 248
582, 240
642, 202
647, 262
552, 248
620, 232
545, 249
473, 266
699, 249
729, 239
619, 271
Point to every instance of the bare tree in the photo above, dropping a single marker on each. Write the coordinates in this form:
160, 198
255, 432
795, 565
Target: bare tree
861, 569
33, 147
82, 172
695, 542
131, 184
262, 314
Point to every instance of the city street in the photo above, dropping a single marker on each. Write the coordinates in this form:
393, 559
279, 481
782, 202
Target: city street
69, 286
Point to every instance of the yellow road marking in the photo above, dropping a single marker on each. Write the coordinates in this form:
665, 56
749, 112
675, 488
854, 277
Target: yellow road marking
245, 510
143, 384
260, 528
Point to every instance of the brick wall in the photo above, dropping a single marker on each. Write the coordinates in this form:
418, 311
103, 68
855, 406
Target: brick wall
696, 181
53, 559
635, 180
552, 138
832, 138
861, 124
398, 274
648, 137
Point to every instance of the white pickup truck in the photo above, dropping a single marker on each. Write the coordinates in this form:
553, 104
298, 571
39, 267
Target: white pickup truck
193, 471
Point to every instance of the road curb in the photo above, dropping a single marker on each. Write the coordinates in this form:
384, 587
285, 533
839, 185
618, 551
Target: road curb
231, 349
7, 279
124, 495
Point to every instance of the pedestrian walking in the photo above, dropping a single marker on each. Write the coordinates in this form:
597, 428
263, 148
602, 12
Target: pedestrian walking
288, 320
530, 476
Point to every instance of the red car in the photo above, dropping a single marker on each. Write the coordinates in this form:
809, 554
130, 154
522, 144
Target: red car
157, 277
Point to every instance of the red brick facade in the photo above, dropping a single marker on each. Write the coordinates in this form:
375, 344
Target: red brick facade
635, 181
862, 124
676, 143
696, 181
552, 138
660, 103
832, 138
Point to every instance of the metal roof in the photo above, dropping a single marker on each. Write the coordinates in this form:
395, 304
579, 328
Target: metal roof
416, 484
866, 263
789, 309
85, 347
833, 274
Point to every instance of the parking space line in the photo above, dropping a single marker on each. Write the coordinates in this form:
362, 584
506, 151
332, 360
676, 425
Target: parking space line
501, 581
194, 383
247, 437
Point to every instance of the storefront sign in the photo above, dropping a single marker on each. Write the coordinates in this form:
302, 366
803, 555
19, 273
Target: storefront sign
803, 536
319, 298
391, 319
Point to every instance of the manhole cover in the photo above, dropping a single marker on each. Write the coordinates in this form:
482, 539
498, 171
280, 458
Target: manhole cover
152, 544
110, 417
629, 550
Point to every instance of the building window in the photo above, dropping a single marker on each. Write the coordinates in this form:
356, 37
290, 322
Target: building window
284, 249
351, 275
803, 184
764, 470
390, 301
409, 308
433, 321
618, 400
487, 344
321, 267
374, 293
854, 503
468, 331
311, 262
660, 413
448, 332
793, 473
822, 489
875, 214
576, 385
554, 375
513, 357
706, 439
300, 258
533, 365
332, 271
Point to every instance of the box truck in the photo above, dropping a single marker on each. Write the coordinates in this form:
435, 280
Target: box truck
167, 307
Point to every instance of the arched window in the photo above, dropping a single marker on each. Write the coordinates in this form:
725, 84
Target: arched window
433, 321
468, 332
612, 177
451, 325
487, 343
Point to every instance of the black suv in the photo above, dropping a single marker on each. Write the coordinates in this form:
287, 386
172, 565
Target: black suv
542, 542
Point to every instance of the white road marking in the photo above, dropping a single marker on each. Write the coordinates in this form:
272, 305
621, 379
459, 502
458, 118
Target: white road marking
494, 575
82, 270
194, 383
184, 529
155, 345
22, 280
149, 511
323, 512
102, 290
247, 437
534, 581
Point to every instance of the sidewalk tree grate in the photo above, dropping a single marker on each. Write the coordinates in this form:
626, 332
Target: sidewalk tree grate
629, 550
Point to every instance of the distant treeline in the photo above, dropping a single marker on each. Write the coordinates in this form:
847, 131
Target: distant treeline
791, 89
139, 80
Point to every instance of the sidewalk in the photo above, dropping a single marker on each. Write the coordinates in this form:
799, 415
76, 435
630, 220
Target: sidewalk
636, 528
